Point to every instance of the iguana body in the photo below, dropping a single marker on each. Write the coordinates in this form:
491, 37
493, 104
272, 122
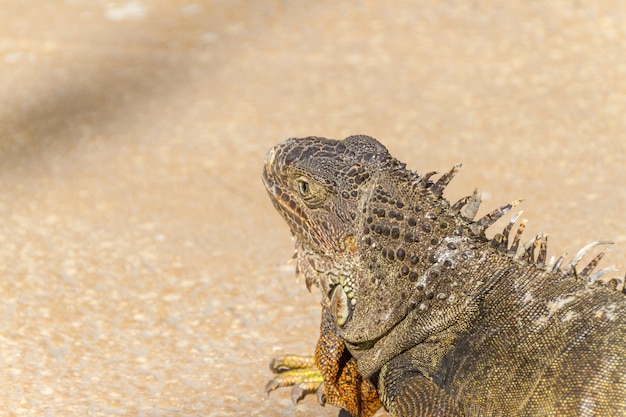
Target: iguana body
440, 319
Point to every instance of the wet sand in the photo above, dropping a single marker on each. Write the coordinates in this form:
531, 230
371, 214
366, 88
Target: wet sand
143, 266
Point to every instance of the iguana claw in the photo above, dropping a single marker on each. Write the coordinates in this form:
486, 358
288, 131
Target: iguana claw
298, 372
321, 394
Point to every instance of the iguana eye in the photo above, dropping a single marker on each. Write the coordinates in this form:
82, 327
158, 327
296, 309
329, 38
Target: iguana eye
311, 192
303, 188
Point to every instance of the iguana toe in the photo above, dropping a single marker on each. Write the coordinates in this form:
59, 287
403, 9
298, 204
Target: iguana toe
301, 389
287, 362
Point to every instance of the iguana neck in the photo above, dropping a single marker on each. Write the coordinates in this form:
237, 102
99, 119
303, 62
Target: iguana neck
418, 267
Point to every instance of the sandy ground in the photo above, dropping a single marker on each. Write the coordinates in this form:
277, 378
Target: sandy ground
142, 265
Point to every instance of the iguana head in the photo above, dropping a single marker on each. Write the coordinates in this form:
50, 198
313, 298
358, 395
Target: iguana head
316, 184
320, 186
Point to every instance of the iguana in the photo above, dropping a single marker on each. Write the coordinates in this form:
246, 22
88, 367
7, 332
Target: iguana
424, 313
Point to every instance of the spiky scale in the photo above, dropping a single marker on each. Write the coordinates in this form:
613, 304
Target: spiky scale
504, 243
602, 272
542, 251
556, 266
444, 180
481, 225
518, 235
471, 209
425, 181
583, 251
592, 264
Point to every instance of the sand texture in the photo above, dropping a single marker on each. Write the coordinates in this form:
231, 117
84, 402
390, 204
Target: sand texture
142, 266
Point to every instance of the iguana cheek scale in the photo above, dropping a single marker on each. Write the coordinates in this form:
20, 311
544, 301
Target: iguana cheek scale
422, 311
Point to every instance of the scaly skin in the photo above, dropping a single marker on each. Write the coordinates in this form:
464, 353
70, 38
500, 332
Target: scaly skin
442, 320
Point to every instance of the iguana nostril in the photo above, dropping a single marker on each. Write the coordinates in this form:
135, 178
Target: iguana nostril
269, 158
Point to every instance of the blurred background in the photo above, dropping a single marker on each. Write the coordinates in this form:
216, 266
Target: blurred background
143, 268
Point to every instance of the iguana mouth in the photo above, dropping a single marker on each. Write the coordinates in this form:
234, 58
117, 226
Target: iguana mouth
277, 194
281, 200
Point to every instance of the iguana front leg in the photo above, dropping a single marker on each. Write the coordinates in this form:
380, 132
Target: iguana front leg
408, 393
343, 386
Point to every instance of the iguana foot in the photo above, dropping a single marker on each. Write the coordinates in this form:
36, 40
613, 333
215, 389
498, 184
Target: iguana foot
298, 372
332, 373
